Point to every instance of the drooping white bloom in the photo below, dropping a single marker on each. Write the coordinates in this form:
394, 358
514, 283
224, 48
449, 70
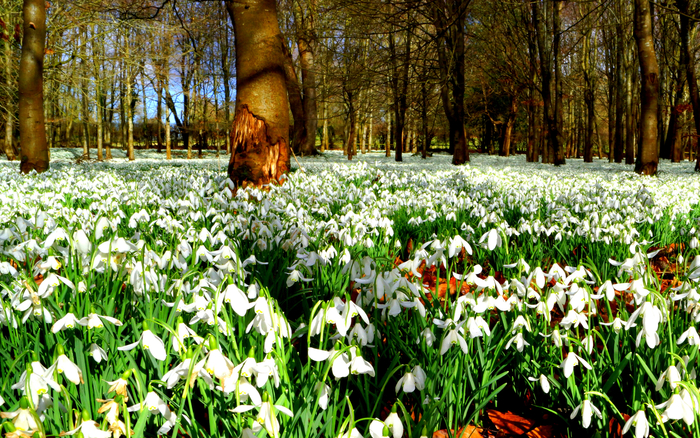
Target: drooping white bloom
149, 341
670, 375
544, 382
412, 380
66, 366
266, 417
640, 423
587, 410
69, 321
97, 353
571, 360
677, 408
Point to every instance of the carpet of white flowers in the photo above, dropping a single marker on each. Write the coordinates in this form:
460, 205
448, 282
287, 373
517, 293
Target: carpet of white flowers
361, 299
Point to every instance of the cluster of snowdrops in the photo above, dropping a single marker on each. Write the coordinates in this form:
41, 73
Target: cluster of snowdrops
367, 300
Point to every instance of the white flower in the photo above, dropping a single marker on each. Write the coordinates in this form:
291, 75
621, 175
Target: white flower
97, 353
323, 393
587, 411
671, 375
393, 422
519, 340
89, 429
266, 417
544, 382
93, 320
678, 407
453, 338
691, 335
428, 335
153, 403
150, 342
571, 360
68, 368
23, 418
69, 321
410, 381
640, 423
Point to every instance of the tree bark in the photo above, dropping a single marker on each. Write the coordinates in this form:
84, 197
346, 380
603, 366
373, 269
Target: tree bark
683, 7
260, 131
9, 147
32, 131
647, 158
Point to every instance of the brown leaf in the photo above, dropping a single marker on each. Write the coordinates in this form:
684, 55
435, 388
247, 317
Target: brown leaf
470, 431
510, 423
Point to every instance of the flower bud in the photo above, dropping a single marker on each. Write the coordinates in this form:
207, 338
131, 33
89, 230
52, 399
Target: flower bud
60, 350
385, 431
126, 374
251, 352
145, 326
213, 345
86, 415
24, 403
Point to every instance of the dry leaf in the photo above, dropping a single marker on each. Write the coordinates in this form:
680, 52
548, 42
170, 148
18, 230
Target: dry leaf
470, 431
510, 423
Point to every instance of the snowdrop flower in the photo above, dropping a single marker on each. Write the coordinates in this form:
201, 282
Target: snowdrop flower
410, 381
236, 298
354, 433
97, 353
587, 410
93, 320
617, 324
323, 391
149, 341
691, 335
571, 360
574, 319
477, 327
69, 321
340, 362
23, 418
679, 406
428, 336
266, 417
671, 375
65, 366
295, 276
89, 428
544, 382
153, 403
640, 423
519, 340
456, 245
453, 338
491, 240
392, 421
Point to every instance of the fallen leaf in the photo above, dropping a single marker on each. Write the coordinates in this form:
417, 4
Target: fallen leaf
512, 424
470, 431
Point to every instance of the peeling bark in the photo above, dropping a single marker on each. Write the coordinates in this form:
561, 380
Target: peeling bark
257, 158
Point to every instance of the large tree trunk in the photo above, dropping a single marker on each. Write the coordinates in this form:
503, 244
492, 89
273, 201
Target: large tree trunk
683, 7
308, 80
647, 158
9, 146
556, 136
296, 104
260, 131
32, 131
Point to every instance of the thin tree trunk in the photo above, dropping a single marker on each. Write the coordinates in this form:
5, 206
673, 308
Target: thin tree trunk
9, 116
32, 131
647, 159
683, 7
